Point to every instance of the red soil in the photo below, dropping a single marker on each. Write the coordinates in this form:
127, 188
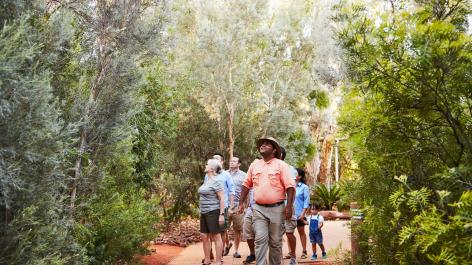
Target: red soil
161, 254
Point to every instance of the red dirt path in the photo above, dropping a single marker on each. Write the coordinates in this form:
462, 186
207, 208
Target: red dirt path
162, 254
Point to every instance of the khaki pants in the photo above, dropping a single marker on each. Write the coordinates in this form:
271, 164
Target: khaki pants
269, 227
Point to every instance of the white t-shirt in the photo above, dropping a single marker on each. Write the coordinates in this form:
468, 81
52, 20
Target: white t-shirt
318, 217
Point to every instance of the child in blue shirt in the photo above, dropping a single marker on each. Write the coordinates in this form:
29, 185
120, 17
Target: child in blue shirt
315, 221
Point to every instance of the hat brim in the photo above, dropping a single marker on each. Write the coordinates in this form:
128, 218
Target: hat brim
277, 146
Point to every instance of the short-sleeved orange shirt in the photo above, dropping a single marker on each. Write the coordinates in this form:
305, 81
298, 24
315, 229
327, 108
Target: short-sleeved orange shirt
270, 180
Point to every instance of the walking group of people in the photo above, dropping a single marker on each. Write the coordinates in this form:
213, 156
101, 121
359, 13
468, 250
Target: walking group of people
269, 200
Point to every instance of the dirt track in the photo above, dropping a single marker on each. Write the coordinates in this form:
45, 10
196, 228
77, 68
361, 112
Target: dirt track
336, 237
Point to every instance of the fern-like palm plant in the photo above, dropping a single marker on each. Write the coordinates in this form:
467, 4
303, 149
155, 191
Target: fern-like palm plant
326, 196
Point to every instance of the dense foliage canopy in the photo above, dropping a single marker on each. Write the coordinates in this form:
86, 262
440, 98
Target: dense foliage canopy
409, 117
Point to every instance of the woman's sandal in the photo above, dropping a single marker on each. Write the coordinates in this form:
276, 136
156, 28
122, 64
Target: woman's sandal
203, 262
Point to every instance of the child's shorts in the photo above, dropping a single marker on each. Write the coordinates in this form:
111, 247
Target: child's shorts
316, 238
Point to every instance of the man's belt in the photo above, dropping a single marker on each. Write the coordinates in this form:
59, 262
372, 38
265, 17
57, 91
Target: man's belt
271, 205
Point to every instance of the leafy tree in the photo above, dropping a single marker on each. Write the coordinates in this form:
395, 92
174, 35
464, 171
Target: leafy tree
168, 160
408, 113
251, 64
34, 146
69, 91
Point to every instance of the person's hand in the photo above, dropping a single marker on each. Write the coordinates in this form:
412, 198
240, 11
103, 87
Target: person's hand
221, 219
241, 208
288, 212
303, 219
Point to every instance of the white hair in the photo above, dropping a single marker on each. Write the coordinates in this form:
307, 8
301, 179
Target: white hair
215, 164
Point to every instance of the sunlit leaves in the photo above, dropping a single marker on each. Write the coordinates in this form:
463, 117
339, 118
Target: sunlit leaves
320, 97
431, 232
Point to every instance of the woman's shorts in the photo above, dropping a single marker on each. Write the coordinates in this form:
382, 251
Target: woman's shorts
300, 223
209, 222
316, 238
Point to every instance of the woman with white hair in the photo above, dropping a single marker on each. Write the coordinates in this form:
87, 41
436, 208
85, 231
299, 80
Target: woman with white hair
212, 208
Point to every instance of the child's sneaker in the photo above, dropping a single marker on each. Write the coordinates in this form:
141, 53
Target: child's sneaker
323, 255
314, 257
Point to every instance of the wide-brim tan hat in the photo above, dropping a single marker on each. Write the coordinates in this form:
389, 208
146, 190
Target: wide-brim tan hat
273, 141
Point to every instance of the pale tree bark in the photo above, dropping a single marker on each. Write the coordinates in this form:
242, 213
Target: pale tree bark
221, 142
323, 134
101, 23
325, 159
230, 123
103, 64
220, 94
313, 167
108, 30
230, 113
318, 169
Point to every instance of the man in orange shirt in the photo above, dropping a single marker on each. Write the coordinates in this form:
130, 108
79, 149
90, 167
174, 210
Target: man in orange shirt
272, 182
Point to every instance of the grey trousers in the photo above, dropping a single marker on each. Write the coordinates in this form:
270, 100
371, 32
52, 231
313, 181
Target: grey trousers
269, 227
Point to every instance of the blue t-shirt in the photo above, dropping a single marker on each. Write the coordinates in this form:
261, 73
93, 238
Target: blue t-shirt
302, 198
238, 178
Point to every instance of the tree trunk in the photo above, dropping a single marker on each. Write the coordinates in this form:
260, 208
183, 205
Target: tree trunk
107, 33
78, 169
103, 65
313, 169
230, 122
8, 215
231, 138
326, 152
221, 143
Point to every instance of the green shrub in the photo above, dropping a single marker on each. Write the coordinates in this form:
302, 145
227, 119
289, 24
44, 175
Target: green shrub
427, 232
325, 196
40, 235
179, 197
117, 224
35, 141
